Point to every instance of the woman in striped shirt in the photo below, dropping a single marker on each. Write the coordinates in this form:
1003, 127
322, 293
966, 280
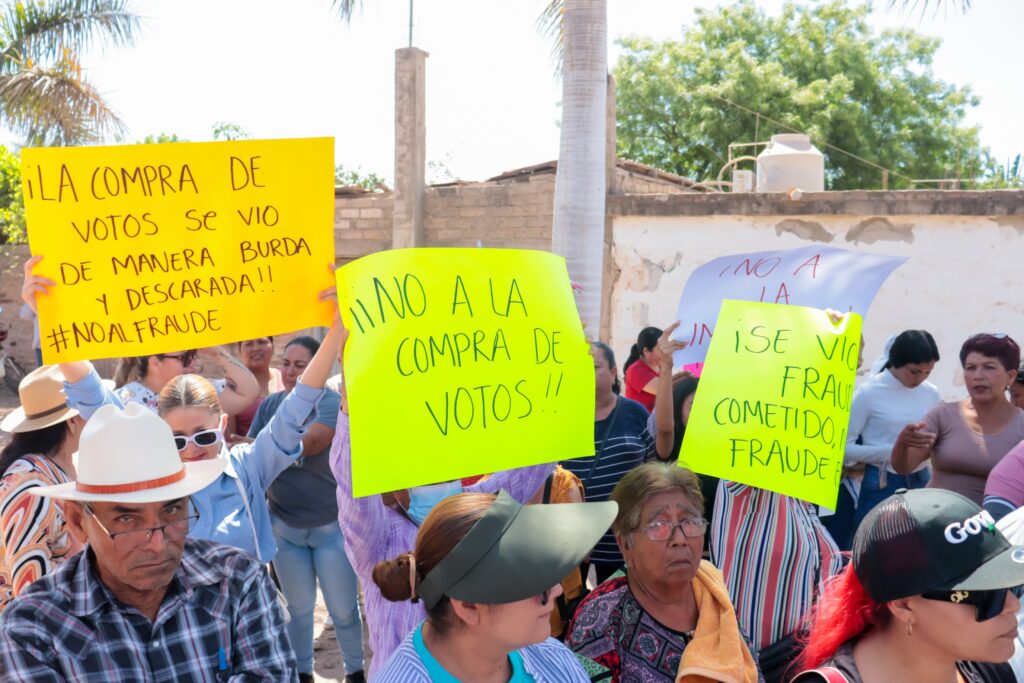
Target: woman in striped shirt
622, 441
774, 555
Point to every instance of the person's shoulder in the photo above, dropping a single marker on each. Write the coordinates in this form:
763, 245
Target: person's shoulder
986, 672
45, 598
607, 593
634, 409
930, 390
209, 563
403, 665
550, 657
30, 471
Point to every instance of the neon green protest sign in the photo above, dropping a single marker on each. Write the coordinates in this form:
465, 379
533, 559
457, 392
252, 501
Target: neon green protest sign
773, 404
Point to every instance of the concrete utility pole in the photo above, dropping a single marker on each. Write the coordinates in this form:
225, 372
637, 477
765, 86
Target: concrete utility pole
410, 146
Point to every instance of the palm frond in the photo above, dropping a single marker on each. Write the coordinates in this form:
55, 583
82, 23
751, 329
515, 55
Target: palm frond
40, 31
54, 106
346, 8
549, 25
912, 5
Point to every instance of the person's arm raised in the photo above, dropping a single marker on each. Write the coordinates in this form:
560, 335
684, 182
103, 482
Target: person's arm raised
242, 389
664, 417
319, 367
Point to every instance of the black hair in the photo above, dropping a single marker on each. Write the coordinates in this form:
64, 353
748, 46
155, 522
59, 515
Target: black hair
308, 343
1020, 374
680, 392
645, 341
46, 441
609, 356
912, 346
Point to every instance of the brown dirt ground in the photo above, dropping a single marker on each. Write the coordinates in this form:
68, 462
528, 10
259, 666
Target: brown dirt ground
327, 662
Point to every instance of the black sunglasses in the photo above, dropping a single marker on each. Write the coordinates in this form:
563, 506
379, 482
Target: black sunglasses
987, 604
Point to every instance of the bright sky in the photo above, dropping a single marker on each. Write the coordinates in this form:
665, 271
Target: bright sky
292, 69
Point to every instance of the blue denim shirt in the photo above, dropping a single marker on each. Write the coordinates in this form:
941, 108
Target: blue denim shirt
224, 514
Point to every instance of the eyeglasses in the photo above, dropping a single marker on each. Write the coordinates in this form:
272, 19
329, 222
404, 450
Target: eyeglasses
987, 604
186, 358
173, 529
662, 531
202, 439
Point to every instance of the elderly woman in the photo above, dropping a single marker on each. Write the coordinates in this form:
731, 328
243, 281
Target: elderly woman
670, 615
929, 596
965, 440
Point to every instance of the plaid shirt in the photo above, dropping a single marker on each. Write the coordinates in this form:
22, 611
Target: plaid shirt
69, 627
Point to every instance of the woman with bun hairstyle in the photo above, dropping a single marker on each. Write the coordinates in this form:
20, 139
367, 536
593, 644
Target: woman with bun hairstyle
641, 368
487, 570
930, 597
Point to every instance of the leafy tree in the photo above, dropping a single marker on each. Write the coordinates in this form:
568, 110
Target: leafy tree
222, 130
43, 96
161, 138
12, 202
817, 69
358, 178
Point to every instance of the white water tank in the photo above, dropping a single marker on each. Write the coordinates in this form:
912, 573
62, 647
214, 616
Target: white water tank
790, 162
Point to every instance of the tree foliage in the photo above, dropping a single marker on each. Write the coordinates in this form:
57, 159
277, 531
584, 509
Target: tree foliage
43, 96
368, 180
817, 69
12, 202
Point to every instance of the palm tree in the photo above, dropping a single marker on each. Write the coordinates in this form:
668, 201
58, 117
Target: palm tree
578, 223
43, 96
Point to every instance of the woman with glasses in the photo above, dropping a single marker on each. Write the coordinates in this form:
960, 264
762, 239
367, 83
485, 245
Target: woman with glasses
930, 596
670, 615
139, 380
965, 440
233, 509
487, 570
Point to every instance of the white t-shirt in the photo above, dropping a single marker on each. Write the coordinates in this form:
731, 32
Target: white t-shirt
881, 408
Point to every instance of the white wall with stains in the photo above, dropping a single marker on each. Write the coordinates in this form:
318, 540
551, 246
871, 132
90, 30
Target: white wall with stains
965, 274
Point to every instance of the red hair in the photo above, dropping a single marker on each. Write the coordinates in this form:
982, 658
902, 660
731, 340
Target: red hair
844, 611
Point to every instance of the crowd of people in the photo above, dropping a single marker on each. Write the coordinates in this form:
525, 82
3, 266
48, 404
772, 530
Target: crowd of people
164, 526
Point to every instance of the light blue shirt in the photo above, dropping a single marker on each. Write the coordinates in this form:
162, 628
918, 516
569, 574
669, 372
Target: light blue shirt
547, 662
225, 515
438, 674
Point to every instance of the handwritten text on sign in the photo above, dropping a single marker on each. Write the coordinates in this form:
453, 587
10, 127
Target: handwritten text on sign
462, 362
158, 248
821, 277
773, 404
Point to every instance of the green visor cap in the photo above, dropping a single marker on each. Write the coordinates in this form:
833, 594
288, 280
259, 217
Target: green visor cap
517, 551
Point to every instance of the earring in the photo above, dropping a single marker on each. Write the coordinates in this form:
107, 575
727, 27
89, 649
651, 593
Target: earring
910, 628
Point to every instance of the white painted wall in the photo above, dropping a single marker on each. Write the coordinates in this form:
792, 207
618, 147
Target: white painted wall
965, 274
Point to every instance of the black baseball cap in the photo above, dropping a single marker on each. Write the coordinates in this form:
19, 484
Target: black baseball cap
517, 551
929, 540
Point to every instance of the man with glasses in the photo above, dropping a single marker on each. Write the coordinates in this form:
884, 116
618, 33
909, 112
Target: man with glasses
142, 602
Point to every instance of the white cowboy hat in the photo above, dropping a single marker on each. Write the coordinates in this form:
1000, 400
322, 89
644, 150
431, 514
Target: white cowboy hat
42, 402
128, 456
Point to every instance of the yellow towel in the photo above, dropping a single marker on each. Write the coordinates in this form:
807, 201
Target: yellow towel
717, 652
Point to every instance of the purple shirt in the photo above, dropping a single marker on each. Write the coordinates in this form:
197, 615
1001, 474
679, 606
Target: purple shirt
374, 532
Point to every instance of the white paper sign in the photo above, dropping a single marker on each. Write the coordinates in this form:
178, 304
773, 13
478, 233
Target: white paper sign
820, 277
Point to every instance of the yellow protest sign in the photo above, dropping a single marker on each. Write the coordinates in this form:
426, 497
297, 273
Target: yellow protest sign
158, 248
462, 362
773, 404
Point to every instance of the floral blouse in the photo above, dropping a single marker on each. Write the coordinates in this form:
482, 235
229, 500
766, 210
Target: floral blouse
33, 535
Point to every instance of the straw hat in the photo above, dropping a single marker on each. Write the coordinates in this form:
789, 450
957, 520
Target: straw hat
42, 402
129, 456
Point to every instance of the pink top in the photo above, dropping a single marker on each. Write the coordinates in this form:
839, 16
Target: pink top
1007, 478
638, 376
963, 458
243, 420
